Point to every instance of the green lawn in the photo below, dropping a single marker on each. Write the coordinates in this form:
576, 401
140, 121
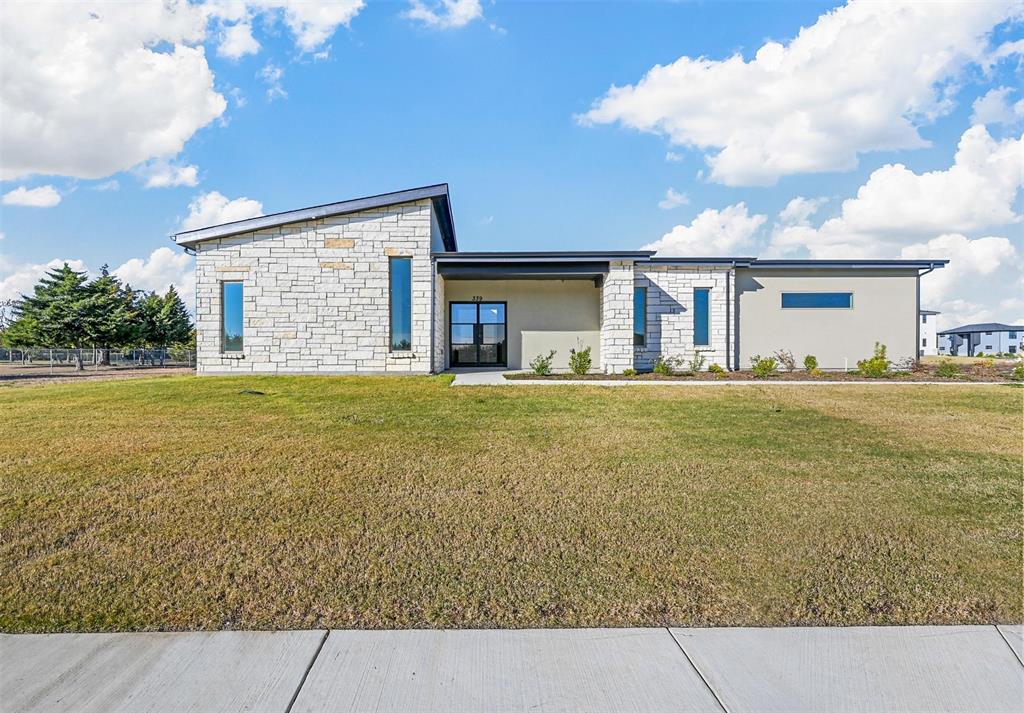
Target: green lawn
183, 503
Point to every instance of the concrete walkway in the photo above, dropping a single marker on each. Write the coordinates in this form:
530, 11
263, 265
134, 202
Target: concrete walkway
496, 377
955, 668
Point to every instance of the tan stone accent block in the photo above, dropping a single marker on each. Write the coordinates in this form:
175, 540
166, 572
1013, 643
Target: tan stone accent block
329, 265
287, 335
339, 243
397, 252
233, 269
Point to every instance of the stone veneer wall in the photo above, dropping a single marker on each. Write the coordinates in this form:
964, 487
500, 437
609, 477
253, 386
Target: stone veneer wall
670, 312
315, 294
617, 318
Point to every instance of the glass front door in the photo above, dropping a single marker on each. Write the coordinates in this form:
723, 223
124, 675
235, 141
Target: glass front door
477, 334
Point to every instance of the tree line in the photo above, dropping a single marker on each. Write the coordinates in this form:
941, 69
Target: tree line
68, 311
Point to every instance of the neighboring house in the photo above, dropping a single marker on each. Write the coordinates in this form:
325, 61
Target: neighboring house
985, 338
378, 284
929, 344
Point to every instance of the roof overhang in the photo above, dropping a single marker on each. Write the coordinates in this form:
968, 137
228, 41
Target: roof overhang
848, 264
438, 195
575, 265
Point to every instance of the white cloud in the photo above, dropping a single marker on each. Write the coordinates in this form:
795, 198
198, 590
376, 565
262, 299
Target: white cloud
897, 207
793, 230
164, 267
995, 108
271, 75
445, 15
92, 88
236, 41
673, 199
712, 232
982, 282
20, 279
313, 23
111, 185
161, 173
860, 79
40, 197
673, 157
213, 208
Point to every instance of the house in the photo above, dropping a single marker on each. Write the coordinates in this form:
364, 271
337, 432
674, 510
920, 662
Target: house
929, 345
984, 338
378, 285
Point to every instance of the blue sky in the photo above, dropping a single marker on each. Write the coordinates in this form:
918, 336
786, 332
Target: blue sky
495, 102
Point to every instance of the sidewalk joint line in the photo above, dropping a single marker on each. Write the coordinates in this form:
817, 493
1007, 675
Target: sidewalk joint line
309, 668
714, 693
1007, 642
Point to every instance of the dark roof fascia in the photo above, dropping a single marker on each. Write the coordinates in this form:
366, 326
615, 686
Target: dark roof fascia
536, 257
984, 327
850, 264
927, 311
734, 261
522, 270
437, 193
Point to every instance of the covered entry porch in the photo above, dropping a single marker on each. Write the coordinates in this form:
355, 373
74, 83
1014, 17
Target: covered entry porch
502, 312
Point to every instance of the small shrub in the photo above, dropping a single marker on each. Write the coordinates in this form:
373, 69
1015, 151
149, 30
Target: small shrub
989, 363
1018, 372
980, 354
763, 367
947, 369
580, 360
785, 359
877, 366
698, 360
541, 364
629, 372
810, 363
666, 366
716, 369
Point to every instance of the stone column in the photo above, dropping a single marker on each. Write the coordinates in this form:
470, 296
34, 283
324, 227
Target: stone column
617, 318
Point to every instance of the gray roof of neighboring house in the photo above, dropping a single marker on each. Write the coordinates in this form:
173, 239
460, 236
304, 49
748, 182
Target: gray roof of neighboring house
984, 327
438, 194
928, 311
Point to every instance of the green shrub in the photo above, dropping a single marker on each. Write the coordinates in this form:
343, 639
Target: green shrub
666, 366
810, 363
580, 361
1018, 372
629, 372
541, 364
785, 359
947, 369
698, 360
763, 367
877, 366
716, 369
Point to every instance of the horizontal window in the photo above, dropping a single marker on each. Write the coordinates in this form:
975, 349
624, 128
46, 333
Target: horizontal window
817, 300
1013, 335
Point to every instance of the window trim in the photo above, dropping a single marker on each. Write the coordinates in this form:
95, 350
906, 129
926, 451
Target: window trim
391, 306
642, 335
707, 319
782, 298
223, 313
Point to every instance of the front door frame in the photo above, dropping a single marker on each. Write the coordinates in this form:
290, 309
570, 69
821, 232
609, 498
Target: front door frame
477, 333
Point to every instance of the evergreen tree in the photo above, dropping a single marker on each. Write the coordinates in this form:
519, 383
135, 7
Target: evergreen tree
61, 310
163, 321
113, 324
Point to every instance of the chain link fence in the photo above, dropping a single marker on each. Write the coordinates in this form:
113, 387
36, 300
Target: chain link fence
98, 358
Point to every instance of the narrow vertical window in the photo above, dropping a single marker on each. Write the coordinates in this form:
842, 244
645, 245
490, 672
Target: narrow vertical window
701, 316
639, 316
231, 316
400, 290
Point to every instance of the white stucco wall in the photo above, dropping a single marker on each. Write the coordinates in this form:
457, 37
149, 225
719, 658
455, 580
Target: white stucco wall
884, 310
316, 294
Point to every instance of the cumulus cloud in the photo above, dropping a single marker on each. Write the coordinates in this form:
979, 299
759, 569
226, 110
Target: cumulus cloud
897, 206
161, 173
729, 231
164, 267
445, 15
271, 75
93, 88
40, 197
20, 279
673, 199
995, 108
793, 229
236, 41
861, 79
214, 208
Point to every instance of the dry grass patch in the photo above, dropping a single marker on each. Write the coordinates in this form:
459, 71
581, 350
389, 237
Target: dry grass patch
184, 503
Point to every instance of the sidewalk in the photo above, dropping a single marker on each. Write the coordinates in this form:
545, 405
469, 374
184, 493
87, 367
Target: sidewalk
952, 668
496, 377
